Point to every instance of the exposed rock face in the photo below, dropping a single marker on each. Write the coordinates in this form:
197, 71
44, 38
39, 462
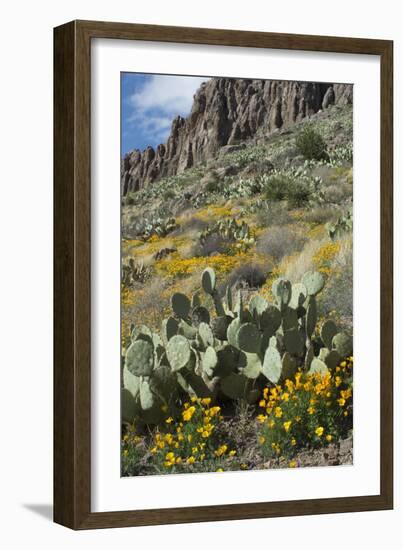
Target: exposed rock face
225, 112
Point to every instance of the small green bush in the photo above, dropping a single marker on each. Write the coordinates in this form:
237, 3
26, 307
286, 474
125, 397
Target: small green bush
249, 275
297, 191
311, 145
168, 194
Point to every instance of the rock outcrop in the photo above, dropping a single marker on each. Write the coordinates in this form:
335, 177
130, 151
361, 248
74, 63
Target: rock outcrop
225, 112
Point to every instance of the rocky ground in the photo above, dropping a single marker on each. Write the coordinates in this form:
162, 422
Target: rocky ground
336, 454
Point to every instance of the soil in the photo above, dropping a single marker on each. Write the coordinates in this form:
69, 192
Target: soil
336, 454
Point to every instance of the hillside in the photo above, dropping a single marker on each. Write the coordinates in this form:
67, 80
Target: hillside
225, 112
162, 222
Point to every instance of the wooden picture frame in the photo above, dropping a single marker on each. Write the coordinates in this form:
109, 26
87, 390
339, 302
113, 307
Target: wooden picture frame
72, 271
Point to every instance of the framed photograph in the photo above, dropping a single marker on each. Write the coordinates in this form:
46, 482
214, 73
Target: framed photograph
223, 275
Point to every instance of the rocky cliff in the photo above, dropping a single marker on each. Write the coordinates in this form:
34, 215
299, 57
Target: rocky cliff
225, 112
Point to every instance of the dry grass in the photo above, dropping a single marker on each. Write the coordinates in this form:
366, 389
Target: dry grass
273, 214
338, 297
321, 214
149, 306
295, 267
278, 242
338, 193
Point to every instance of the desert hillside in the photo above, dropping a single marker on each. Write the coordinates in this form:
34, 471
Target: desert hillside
284, 202
257, 195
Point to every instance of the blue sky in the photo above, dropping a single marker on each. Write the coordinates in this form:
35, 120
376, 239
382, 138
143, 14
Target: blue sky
150, 103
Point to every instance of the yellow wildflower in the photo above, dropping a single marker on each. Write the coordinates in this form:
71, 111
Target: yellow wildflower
289, 385
319, 431
278, 413
287, 425
214, 410
221, 450
188, 413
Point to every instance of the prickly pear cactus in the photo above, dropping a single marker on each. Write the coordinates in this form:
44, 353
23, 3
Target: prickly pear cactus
180, 305
282, 292
208, 280
313, 282
272, 364
229, 353
140, 358
178, 352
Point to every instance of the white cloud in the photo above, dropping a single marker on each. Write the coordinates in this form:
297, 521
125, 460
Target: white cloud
167, 94
159, 101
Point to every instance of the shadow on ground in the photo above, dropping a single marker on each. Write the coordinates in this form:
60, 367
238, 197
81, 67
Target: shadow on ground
44, 510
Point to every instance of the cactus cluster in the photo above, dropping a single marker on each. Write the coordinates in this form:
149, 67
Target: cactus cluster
163, 253
233, 353
148, 227
133, 271
344, 224
243, 187
230, 230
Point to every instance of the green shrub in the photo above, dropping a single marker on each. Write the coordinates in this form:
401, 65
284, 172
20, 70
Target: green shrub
311, 145
213, 183
168, 194
250, 275
297, 191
